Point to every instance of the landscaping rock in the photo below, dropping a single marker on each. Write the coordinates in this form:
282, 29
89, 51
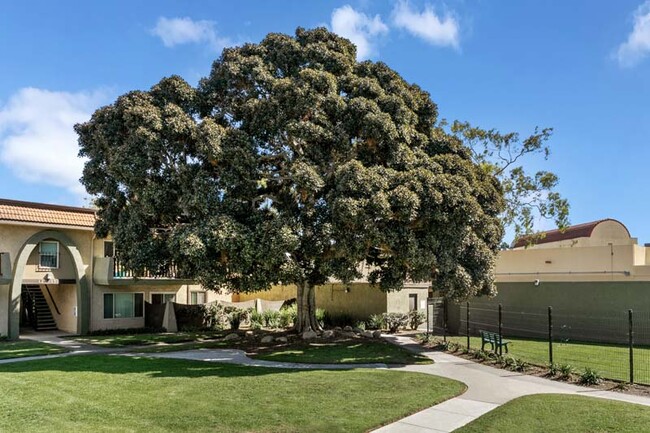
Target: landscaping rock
348, 334
309, 335
328, 334
367, 334
348, 329
281, 340
338, 329
231, 337
376, 334
267, 339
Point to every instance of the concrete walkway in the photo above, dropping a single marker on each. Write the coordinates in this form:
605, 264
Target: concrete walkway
488, 388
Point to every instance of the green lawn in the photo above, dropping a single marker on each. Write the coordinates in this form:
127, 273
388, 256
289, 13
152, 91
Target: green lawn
346, 352
562, 413
610, 361
145, 339
22, 348
118, 393
186, 346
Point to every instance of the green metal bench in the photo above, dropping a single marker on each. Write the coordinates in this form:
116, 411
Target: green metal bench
494, 340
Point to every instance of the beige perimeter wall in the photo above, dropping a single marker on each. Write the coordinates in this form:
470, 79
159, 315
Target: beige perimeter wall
361, 301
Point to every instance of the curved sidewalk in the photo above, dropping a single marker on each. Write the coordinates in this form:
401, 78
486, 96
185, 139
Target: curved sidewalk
488, 388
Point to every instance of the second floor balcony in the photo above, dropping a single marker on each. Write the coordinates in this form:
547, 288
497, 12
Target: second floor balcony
112, 271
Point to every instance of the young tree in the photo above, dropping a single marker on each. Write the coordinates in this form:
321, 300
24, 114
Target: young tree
527, 197
293, 163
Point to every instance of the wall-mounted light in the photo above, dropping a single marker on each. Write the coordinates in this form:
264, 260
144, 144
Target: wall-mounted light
347, 290
536, 282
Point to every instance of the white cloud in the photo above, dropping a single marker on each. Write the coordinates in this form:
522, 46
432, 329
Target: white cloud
427, 25
359, 28
179, 31
37, 139
637, 46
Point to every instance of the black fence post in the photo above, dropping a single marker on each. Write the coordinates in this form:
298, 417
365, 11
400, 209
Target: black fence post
467, 317
631, 344
444, 320
500, 330
550, 335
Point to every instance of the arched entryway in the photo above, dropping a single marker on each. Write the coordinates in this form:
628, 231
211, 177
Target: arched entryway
81, 282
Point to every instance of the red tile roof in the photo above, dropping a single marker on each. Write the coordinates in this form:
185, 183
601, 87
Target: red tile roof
28, 212
572, 232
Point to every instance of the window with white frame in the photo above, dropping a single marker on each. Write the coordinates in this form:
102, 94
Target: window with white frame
123, 305
48, 255
197, 298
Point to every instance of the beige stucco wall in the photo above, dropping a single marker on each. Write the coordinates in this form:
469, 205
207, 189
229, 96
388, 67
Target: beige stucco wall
361, 301
398, 302
65, 297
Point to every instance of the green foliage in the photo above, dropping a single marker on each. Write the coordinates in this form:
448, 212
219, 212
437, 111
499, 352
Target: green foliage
361, 325
256, 319
288, 316
527, 196
271, 319
292, 162
376, 321
320, 316
395, 321
589, 376
553, 369
566, 370
416, 318
237, 316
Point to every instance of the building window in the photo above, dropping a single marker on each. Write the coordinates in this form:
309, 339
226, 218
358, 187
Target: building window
48, 255
162, 298
123, 305
413, 302
197, 298
109, 249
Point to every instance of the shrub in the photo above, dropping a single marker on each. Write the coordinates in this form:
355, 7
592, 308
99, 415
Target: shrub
331, 320
376, 321
236, 316
520, 365
566, 370
395, 321
553, 369
288, 316
416, 318
271, 319
508, 362
361, 325
256, 319
481, 355
590, 377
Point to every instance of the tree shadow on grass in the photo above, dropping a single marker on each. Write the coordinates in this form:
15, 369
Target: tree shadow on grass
153, 367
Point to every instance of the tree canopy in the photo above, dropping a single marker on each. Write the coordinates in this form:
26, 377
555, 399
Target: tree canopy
293, 163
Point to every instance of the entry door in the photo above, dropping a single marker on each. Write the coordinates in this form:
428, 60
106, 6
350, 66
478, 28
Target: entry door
413, 302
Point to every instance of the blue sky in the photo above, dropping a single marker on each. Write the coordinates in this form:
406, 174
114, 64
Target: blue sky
581, 67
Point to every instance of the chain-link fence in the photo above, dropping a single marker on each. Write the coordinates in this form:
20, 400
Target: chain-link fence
615, 345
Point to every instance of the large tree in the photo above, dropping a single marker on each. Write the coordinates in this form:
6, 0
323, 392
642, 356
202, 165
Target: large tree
293, 163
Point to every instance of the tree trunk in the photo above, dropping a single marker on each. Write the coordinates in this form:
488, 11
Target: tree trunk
306, 302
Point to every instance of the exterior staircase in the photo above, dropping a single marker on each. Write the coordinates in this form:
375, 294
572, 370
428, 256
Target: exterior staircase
42, 319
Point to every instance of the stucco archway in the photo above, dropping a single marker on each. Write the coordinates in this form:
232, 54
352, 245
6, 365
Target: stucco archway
83, 294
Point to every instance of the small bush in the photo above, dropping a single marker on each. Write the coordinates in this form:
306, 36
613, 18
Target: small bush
520, 365
343, 319
508, 362
271, 319
237, 316
590, 377
481, 355
320, 317
256, 320
361, 325
566, 370
416, 318
395, 321
376, 321
288, 316
553, 369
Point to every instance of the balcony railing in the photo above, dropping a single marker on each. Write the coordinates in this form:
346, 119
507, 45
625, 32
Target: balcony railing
166, 271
